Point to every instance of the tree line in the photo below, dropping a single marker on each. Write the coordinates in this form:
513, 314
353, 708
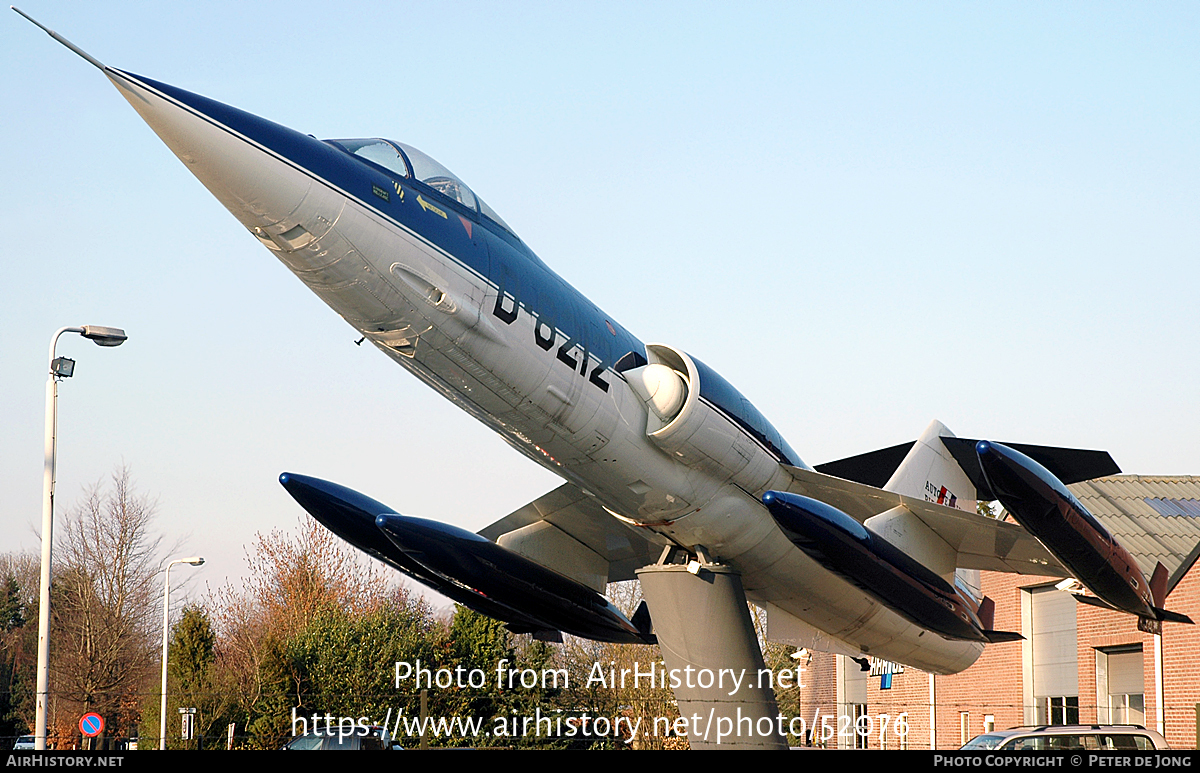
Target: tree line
315, 628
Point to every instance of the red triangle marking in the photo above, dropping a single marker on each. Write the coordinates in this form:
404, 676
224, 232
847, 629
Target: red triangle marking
466, 224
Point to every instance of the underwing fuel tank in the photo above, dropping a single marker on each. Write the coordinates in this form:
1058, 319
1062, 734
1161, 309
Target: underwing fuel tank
1041, 503
466, 567
847, 548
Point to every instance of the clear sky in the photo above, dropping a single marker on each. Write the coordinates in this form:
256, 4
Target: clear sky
865, 216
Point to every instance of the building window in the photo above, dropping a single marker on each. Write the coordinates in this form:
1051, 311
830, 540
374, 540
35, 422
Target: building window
964, 727
1127, 709
1052, 665
1062, 710
851, 703
989, 723
1120, 691
860, 725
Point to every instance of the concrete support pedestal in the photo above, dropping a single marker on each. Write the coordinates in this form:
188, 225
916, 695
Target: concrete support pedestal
707, 639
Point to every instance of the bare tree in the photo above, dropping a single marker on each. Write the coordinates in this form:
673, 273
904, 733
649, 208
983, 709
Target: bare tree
292, 578
104, 603
644, 702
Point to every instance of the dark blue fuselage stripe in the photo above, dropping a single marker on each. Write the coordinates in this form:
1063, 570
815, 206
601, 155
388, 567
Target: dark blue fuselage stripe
749, 432
555, 298
541, 291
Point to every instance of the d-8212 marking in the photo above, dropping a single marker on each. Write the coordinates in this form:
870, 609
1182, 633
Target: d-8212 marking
546, 341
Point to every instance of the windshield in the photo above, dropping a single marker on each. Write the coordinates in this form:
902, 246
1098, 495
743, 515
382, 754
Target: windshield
406, 161
380, 152
438, 177
984, 742
490, 213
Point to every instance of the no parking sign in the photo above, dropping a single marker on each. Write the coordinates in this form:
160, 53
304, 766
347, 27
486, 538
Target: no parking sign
91, 724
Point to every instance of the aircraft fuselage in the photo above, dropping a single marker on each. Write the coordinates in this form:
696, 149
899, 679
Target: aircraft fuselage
415, 262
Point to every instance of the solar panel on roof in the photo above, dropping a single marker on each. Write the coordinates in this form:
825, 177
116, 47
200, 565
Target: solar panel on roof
1164, 506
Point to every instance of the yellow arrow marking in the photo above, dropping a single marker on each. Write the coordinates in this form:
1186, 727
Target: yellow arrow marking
425, 205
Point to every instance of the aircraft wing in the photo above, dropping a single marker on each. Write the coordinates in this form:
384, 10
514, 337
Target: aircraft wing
981, 542
577, 521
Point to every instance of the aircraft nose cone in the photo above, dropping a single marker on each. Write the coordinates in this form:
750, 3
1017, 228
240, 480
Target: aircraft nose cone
241, 158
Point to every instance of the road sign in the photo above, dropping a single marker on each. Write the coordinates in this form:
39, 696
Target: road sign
189, 723
91, 724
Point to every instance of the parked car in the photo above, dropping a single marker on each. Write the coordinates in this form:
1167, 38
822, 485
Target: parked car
376, 739
24, 743
1070, 737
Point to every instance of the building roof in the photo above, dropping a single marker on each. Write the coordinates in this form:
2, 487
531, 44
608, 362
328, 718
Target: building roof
1156, 517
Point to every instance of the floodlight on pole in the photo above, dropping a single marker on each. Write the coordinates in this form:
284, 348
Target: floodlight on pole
162, 706
60, 368
63, 367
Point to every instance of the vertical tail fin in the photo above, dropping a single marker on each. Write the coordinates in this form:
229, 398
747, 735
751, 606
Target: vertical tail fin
1158, 585
1158, 589
927, 472
931, 473
987, 618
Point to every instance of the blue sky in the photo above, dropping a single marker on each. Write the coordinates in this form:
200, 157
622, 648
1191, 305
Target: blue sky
865, 216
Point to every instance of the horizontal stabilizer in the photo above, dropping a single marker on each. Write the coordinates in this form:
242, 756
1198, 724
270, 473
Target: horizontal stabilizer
999, 637
1172, 617
873, 468
979, 541
1069, 465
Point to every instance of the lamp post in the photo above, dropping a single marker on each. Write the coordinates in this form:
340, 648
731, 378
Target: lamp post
60, 368
162, 709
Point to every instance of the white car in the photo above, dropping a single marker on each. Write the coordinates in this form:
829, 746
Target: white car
1070, 738
377, 739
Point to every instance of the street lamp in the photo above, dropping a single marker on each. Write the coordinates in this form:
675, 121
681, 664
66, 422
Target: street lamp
60, 368
162, 714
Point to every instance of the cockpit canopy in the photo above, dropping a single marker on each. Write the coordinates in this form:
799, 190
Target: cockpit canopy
410, 163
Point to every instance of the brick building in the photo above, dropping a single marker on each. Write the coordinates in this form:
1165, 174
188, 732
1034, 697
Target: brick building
1078, 663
